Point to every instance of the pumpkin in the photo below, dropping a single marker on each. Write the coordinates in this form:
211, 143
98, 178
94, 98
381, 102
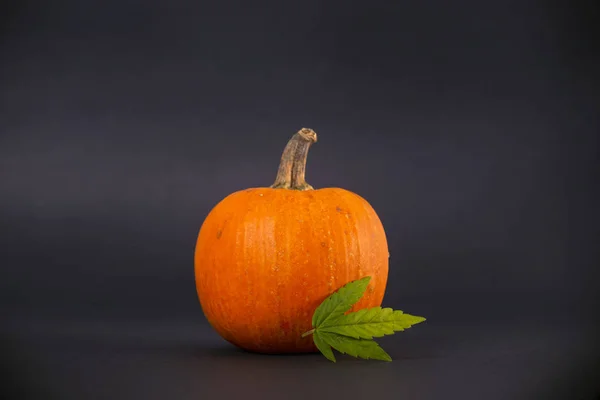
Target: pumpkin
266, 257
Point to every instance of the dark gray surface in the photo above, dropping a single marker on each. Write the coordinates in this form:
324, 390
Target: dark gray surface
178, 359
471, 128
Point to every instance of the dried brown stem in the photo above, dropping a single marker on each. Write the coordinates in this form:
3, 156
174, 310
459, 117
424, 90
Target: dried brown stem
292, 168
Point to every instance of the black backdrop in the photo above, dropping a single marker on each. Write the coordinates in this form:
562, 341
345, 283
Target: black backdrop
471, 127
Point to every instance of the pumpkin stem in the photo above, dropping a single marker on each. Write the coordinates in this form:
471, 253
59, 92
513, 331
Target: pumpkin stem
292, 167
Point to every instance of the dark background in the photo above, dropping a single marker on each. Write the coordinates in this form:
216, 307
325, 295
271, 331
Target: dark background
471, 127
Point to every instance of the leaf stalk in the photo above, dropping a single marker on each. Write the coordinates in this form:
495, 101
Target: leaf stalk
305, 334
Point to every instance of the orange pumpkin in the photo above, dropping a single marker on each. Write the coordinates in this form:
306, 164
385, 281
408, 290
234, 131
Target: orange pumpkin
266, 257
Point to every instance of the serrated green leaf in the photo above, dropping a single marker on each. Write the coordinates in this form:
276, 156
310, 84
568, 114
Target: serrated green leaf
363, 348
323, 347
370, 323
352, 333
340, 302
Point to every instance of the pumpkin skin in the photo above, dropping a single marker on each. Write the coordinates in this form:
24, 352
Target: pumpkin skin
265, 258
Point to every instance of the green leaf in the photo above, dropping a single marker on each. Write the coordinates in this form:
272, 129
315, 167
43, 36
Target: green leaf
323, 347
340, 302
352, 333
363, 348
370, 322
